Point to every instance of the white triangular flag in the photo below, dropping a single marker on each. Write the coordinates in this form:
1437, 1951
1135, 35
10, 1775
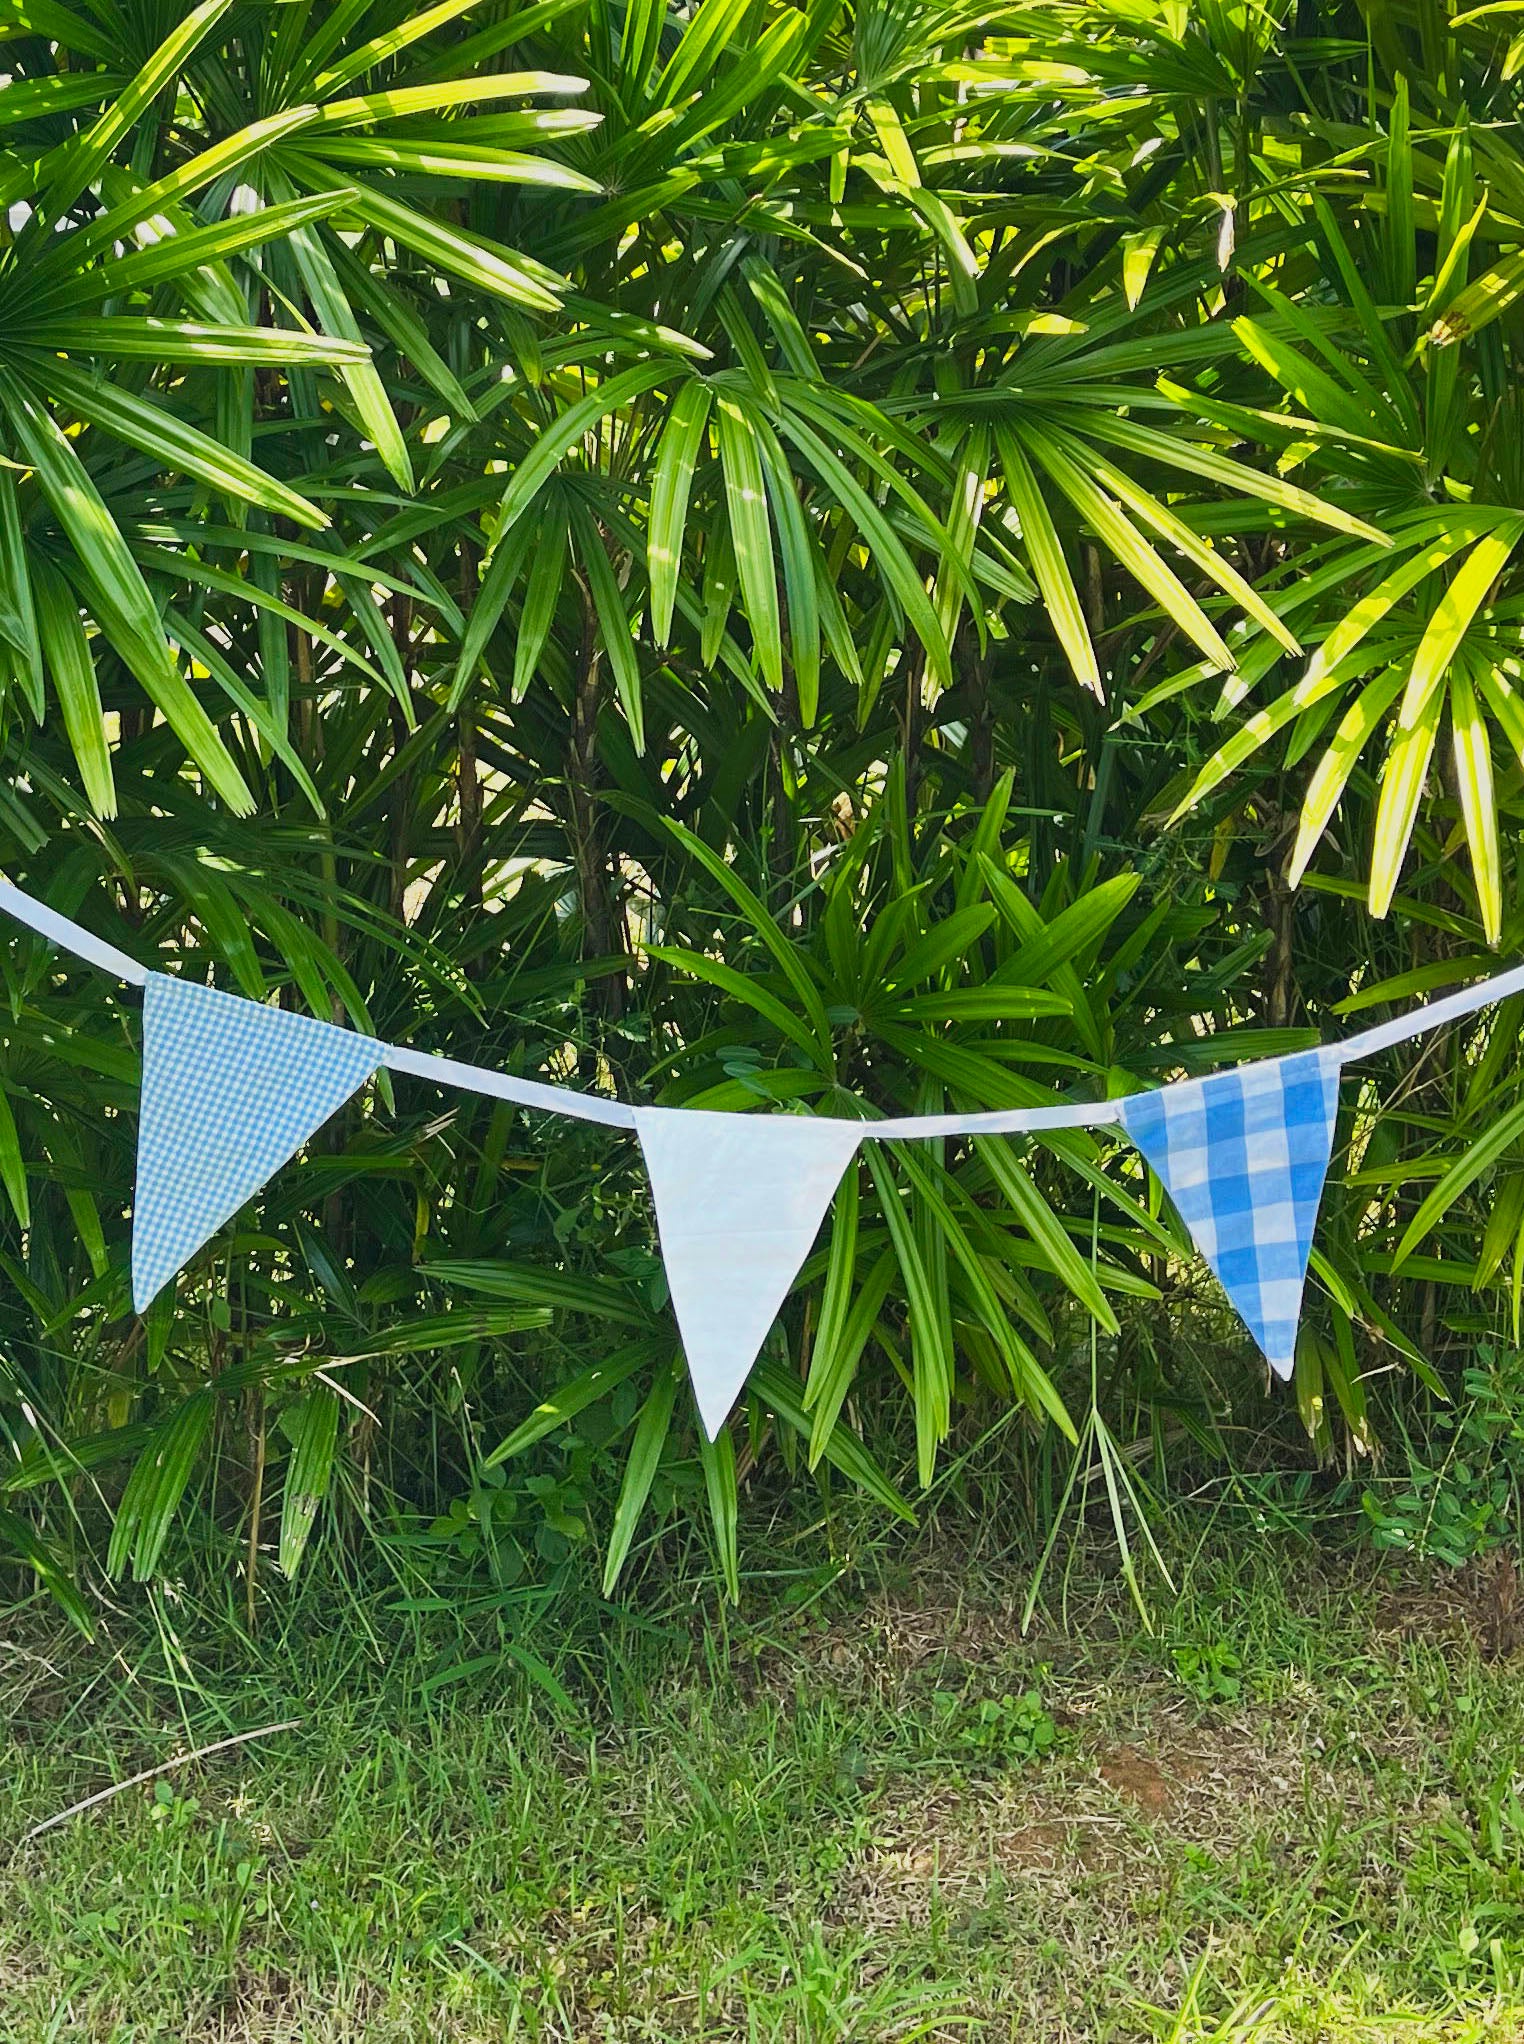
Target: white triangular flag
739, 1202
231, 1089
1243, 1155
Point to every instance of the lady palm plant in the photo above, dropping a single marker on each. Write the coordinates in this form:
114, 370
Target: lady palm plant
696, 551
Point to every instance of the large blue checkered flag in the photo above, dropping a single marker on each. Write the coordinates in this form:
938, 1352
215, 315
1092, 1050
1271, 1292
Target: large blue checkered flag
231, 1089
1243, 1156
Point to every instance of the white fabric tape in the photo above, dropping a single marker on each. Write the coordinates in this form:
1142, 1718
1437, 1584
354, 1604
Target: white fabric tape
1450, 1009
48, 923
446, 1071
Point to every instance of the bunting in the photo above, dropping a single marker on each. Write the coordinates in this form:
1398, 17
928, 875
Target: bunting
232, 1089
739, 1202
1243, 1156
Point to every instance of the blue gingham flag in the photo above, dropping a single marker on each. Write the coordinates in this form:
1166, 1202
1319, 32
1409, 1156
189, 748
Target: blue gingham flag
231, 1089
1243, 1155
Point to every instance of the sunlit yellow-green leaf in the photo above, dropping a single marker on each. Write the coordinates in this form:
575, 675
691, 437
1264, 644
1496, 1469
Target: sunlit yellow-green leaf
1333, 770
1466, 593
1473, 783
1407, 767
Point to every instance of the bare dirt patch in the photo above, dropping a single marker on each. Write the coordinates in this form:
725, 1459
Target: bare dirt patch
1135, 1775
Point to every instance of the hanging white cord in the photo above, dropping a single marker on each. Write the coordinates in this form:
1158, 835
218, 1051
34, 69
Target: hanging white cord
1450, 1009
1008, 1121
446, 1071
48, 923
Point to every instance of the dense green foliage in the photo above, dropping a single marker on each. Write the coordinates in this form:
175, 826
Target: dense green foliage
835, 558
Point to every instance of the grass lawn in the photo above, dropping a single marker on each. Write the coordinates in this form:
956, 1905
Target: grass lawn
865, 1807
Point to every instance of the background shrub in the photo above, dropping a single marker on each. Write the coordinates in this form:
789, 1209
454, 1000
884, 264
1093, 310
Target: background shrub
746, 556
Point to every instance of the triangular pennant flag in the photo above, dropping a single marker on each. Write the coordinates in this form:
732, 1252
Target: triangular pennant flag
231, 1089
1243, 1155
739, 1202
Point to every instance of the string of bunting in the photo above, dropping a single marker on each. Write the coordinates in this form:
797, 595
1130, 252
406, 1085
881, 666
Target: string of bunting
232, 1089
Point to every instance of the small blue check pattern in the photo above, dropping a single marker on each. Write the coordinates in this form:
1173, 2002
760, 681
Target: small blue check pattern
231, 1090
1243, 1155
